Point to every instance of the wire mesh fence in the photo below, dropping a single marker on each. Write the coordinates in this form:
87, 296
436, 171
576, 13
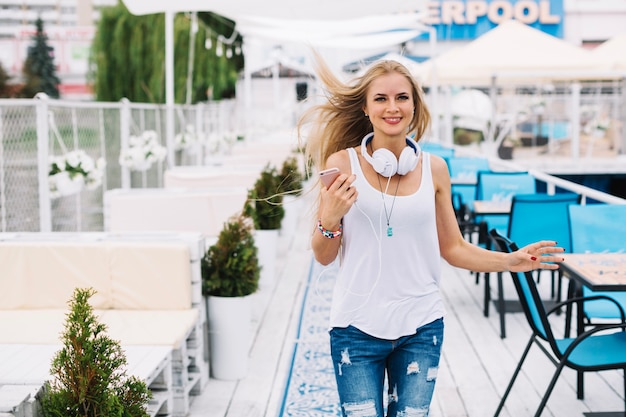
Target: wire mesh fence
132, 139
88, 140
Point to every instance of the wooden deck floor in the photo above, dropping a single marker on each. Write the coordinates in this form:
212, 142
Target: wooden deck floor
475, 368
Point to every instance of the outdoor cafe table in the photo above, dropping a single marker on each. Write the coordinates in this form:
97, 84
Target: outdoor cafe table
598, 272
489, 207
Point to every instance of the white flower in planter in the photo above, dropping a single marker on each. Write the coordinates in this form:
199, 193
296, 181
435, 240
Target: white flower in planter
142, 152
72, 171
537, 106
187, 139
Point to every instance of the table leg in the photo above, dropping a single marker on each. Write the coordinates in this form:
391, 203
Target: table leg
501, 306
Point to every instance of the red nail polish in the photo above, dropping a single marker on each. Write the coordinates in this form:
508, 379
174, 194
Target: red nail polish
533, 258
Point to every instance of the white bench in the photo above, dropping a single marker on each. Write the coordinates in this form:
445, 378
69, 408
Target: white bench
148, 293
212, 176
172, 209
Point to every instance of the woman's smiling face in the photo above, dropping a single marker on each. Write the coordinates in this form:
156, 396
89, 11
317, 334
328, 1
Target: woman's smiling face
389, 104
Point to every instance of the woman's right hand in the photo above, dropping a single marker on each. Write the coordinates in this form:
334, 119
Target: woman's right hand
336, 200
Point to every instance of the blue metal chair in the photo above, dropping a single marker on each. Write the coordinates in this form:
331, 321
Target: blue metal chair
463, 176
497, 186
437, 149
599, 228
535, 217
501, 186
601, 348
463, 173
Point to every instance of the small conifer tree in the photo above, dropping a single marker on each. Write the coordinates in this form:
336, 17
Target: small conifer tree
230, 267
4, 82
39, 71
291, 177
265, 201
88, 375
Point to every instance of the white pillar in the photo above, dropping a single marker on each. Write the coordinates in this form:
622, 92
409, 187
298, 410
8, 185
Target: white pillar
169, 85
575, 120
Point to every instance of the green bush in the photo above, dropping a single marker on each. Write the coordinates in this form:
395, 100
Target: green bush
89, 377
230, 267
467, 136
290, 177
265, 201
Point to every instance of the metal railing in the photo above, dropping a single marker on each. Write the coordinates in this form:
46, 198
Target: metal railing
34, 130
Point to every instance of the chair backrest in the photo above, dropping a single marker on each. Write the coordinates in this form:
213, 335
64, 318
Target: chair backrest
502, 186
598, 227
465, 169
541, 216
528, 293
437, 149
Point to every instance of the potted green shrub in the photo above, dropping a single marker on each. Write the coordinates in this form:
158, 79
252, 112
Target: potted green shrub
291, 185
88, 372
290, 181
265, 200
265, 207
230, 273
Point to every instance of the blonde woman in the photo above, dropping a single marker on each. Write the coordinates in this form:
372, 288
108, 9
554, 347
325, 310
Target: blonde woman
388, 216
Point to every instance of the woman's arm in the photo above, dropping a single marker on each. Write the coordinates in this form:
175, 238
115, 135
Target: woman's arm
463, 254
334, 204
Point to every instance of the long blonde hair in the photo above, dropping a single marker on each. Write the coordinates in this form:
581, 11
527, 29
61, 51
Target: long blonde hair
339, 123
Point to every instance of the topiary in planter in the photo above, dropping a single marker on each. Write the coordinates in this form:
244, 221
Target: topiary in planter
230, 267
89, 379
290, 177
264, 205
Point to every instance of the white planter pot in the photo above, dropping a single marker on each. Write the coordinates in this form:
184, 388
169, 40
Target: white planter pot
266, 242
142, 166
293, 208
65, 185
229, 336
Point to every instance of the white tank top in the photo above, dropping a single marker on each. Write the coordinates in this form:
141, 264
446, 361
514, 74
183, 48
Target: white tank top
388, 286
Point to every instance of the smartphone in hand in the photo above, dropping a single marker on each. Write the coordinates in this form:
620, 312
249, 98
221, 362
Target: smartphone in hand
329, 175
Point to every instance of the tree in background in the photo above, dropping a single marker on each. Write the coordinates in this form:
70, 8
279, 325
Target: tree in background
128, 57
4, 82
39, 71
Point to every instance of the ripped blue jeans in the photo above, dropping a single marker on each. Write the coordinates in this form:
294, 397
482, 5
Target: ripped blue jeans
410, 362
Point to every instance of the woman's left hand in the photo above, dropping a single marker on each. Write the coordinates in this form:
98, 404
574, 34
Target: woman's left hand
539, 255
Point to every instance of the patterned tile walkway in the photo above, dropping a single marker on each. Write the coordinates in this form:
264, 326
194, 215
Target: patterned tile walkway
311, 389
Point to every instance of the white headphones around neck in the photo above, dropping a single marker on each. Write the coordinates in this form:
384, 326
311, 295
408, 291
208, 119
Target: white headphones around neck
384, 161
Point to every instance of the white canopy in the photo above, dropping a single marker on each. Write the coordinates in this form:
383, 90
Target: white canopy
278, 9
612, 54
410, 64
472, 109
366, 32
514, 48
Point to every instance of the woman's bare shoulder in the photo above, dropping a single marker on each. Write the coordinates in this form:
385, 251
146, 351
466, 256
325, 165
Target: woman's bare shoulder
440, 172
339, 159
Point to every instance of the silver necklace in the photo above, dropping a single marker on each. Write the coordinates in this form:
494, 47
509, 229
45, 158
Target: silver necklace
393, 202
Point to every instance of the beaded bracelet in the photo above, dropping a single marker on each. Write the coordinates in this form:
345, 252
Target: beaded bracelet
329, 233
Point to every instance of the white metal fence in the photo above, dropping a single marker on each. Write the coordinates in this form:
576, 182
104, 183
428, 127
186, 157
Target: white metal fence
33, 130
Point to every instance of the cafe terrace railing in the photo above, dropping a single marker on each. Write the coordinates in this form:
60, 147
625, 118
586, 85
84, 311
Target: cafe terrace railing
34, 130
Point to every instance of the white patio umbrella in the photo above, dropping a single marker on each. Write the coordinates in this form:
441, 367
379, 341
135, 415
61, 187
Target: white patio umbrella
512, 47
611, 55
471, 109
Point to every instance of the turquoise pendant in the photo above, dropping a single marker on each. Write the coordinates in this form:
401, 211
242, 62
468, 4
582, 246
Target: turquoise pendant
389, 231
